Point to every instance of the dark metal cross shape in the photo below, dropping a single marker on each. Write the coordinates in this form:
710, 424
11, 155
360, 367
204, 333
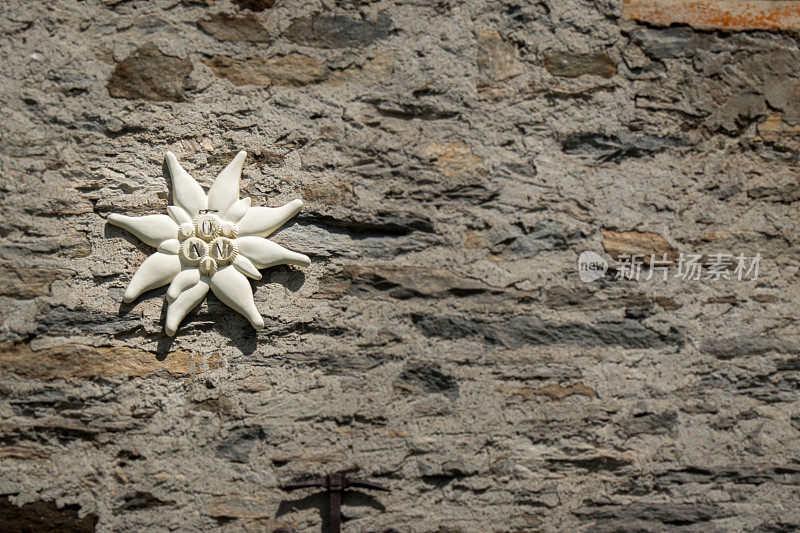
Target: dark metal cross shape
335, 485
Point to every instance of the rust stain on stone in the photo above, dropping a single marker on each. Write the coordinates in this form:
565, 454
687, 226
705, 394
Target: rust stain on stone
473, 240
291, 71
775, 127
618, 243
453, 159
555, 391
667, 303
77, 361
728, 15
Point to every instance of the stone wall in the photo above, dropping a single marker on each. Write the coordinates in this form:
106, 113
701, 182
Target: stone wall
455, 158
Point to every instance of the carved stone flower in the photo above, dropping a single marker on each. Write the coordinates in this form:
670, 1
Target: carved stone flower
208, 242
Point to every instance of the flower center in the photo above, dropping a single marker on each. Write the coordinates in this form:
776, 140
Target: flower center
193, 250
208, 267
208, 243
206, 226
223, 250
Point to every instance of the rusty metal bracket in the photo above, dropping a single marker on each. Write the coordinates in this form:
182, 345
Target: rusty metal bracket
335, 485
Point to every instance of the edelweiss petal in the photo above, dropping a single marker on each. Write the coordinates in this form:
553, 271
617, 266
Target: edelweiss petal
237, 210
264, 253
185, 302
179, 214
225, 190
207, 242
157, 270
150, 229
186, 192
230, 286
170, 246
246, 267
262, 221
184, 280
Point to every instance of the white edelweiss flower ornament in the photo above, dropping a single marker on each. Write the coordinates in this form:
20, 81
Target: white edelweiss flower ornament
208, 242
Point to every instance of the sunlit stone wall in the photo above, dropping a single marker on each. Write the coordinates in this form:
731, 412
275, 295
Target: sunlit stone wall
455, 159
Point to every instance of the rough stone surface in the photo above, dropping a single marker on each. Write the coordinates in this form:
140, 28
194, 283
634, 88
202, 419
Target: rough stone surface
41, 516
648, 245
254, 5
496, 58
149, 74
570, 65
727, 15
235, 28
453, 169
338, 32
292, 70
